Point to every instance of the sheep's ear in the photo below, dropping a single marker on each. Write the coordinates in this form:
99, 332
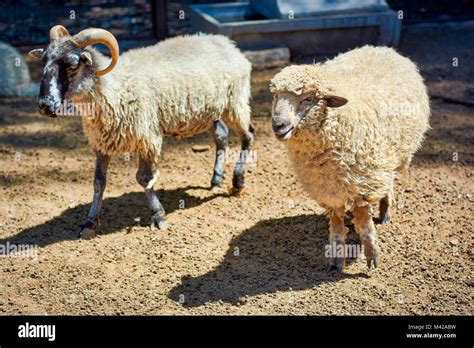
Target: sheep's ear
86, 57
334, 101
36, 53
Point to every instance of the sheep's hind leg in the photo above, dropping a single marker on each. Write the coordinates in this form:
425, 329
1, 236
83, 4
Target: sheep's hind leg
238, 178
337, 240
366, 229
146, 177
220, 132
89, 229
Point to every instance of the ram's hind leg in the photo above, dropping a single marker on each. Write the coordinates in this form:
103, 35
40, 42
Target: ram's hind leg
368, 235
220, 133
146, 176
247, 136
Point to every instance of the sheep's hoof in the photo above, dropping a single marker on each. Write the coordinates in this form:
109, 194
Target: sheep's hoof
236, 191
373, 261
89, 230
383, 220
336, 264
158, 221
87, 233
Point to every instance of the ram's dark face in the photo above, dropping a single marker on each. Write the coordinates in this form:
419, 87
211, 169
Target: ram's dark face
67, 72
69, 68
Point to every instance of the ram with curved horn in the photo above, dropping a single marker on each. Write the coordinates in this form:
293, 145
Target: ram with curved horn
179, 87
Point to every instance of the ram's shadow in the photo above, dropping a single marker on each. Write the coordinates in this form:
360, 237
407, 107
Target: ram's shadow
273, 255
126, 211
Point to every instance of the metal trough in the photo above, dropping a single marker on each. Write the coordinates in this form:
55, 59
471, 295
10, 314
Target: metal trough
314, 35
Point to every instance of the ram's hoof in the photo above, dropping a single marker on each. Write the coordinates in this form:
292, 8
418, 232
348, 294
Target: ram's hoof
215, 189
237, 191
89, 229
158, 221
87, 233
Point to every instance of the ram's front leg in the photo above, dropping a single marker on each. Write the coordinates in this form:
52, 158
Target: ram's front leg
146, 176
337, 240
89, 229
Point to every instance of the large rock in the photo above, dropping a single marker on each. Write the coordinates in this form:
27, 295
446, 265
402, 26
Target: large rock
15, 79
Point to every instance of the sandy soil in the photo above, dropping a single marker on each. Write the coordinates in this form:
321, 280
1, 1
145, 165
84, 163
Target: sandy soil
262, 253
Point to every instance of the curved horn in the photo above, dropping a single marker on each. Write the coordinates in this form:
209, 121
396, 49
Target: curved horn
93, 36
57, 32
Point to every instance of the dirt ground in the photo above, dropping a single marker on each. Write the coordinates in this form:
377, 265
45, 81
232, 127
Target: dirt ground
262, 253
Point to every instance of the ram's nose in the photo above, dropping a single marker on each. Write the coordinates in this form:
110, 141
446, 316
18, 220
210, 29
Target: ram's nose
46, 108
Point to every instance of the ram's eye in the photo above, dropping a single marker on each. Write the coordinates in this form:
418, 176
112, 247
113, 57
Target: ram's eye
72, 68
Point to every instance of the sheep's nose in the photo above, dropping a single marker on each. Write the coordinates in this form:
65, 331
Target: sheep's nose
279, 125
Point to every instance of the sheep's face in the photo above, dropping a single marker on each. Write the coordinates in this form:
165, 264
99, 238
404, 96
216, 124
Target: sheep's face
290, 109
68, 72
298, 94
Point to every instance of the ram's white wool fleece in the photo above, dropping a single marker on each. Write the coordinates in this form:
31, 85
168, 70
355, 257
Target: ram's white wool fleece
350, 155
177, 87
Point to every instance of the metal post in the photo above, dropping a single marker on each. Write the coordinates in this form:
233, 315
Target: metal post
159, 13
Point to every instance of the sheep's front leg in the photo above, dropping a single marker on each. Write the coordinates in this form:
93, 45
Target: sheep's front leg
89, 229
146, 177
220, 132
337, 240
366, 229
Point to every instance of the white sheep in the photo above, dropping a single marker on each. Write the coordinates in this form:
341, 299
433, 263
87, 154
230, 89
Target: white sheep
180, 87
351, 124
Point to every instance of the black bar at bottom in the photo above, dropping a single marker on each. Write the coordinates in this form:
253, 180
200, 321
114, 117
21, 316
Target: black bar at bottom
429, 331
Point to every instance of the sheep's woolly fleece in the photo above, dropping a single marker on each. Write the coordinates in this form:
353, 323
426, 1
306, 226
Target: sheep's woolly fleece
178, 87
352, 154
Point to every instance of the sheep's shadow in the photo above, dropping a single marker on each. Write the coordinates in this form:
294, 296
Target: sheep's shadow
274, 255
130, 209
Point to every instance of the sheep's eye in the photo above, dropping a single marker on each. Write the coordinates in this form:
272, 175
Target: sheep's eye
307, 101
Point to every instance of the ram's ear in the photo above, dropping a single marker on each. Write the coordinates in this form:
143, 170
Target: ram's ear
86, 57
36, 53
334, 101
